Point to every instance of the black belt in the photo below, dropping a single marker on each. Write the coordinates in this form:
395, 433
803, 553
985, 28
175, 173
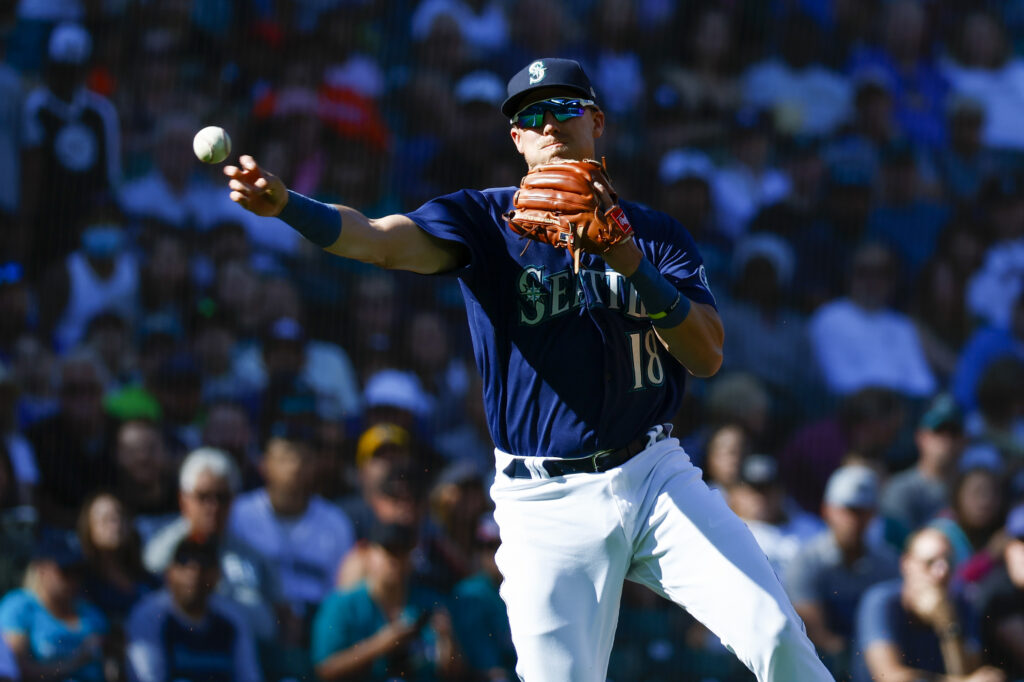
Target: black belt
596, 463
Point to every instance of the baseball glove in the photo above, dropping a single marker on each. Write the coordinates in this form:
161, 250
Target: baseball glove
557, 204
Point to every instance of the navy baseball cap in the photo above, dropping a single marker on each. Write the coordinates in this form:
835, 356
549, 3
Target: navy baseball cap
61, 548
566, 74
942, 413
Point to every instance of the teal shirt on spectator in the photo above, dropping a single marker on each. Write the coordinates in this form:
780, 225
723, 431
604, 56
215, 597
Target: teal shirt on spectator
481, 625
50, 640
348, 617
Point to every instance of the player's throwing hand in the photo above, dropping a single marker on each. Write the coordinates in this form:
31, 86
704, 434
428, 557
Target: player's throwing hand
255, 189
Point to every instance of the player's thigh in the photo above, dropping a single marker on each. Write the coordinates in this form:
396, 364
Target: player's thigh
563, 557
698, 553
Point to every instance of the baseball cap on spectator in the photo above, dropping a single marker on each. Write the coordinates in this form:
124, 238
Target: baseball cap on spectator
479, 86
396, 538
942, 413
683, 164
759, 471
1015, 522
376, 437
70, 43
460, 472
395, 388
853, 486
62, 548
566, 74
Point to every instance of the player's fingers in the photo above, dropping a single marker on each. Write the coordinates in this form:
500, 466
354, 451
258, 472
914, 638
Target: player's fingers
248, 163
232, 171
243, 187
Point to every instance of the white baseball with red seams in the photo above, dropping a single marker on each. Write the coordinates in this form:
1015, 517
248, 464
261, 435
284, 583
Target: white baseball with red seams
212, 144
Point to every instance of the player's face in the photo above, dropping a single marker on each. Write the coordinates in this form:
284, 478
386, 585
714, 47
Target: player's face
550, 140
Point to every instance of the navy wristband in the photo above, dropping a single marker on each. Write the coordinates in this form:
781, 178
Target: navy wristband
318, 222
666, 305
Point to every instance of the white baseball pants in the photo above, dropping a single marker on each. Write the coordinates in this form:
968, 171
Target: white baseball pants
567, 544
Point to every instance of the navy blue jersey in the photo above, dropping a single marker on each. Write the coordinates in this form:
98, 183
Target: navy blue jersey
570, 363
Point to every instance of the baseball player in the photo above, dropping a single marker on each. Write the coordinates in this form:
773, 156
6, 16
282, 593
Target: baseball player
583, 341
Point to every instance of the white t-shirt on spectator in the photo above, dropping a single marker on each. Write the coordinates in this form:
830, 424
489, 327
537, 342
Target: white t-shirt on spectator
1001, 91
738, 195
995, 286
328, 371
486, 31
306, 550
818, 98
858, 348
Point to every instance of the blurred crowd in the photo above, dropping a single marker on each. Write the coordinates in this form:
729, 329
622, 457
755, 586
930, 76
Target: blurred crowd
225, 455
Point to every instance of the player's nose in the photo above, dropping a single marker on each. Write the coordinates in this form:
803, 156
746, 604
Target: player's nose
550, 122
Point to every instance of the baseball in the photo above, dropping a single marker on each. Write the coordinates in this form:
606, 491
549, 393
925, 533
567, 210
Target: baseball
211, 144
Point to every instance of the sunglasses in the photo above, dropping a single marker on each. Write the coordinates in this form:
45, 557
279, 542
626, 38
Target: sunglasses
562, 109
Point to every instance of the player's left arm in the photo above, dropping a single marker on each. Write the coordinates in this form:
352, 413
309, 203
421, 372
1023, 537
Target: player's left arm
696, 340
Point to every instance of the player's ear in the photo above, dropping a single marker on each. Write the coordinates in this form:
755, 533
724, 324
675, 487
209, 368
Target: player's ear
517, 137
598, 118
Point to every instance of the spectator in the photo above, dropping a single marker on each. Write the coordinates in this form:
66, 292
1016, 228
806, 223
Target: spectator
397, 397
804, 94
208, 482
860, 341
994, 288
302, 534
385, 627
74, 447
185, 631
997, 422
457, 501
287, 357
919, 88
706, 84
22, 457
145, 476
940, 315
867, 422
480, 616
748, 181
913, 626
829, 574
101, 275
769, 338
110, 335
727, 446
973, 522
617, 66
114, 577
685, 194
229, 428
72, 157
904, 218
985, 346
15, 304
1001, 603
776, 520
984, 67
12, 96
824, 248
965, 164
17, 528
913, 497
482, 24
53, 632
165, 286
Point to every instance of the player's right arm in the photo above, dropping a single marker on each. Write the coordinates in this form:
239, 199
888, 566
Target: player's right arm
393, 242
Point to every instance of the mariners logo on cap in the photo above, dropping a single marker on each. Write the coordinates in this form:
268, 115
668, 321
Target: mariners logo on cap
537, 71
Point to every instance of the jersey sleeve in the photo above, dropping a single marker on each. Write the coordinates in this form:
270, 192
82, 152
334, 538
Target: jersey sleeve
461, 217
672, 250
